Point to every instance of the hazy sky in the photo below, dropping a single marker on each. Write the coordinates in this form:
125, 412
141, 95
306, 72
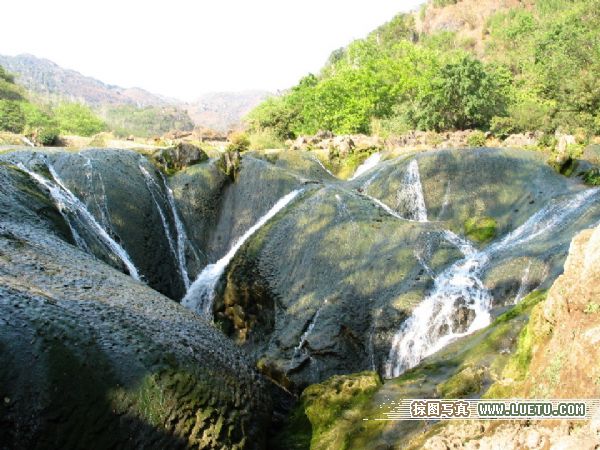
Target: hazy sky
184, 48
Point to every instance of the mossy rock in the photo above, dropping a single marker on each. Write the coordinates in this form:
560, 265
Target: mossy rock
480, 229
315, 422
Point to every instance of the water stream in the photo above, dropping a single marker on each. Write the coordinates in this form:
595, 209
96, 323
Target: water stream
367, 165
77, 215
459, 303
200, 295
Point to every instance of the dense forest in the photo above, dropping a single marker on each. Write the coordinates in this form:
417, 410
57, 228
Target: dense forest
534, 67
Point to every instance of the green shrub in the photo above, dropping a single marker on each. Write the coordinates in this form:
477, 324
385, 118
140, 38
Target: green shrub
47, 136
264, 139
502, 127
11, 116
592, 177
238, 141
75, 118
476, 139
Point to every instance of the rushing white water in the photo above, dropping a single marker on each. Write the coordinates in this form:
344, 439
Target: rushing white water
409, 197
309, 329
385, 207
323, 167
154, 189
367, 165
524, 285
178, 246
66, 202
181, 236
459, 303
27, 141
200, 295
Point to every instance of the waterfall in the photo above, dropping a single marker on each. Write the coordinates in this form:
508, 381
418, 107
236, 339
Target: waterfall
152, 187
200, 295
524, 285
459, 303
410, 196
367, 165
383, 206
306, 334
67, 202
318, 161
182, 238
177, 248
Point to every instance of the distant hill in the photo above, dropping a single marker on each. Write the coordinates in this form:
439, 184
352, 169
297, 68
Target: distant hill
48, 80
224, 110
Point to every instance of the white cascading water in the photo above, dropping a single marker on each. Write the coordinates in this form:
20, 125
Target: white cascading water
66, 201
153, 186
181, 236
459, 303
367, 165
200, 295
410, 196
318, 161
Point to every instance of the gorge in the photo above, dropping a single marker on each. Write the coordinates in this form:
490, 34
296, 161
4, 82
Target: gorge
266, 282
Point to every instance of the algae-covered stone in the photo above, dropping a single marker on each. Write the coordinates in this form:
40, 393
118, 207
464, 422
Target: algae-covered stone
90, 358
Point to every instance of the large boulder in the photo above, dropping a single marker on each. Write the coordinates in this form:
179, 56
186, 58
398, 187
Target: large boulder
91, 358
129, 199
179, 156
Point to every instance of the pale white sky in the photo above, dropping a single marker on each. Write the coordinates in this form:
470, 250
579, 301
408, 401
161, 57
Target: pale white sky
182, 48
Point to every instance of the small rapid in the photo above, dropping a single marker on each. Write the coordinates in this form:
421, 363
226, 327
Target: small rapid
77, 215
177, 246
200, 295
459, 303
367, 165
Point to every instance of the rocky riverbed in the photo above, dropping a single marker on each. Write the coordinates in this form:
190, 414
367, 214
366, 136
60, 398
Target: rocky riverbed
98, 248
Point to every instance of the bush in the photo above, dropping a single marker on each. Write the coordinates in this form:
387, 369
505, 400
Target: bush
11, 116
47, 136
502, 127
75, 118
265, 139
476, 139
464, 95
238, 141
592, 177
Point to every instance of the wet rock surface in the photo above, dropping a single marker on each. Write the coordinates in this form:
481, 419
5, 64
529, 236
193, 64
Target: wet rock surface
91, 358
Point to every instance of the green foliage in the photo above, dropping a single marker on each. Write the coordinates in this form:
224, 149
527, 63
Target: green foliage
12, 117
464, 94
75, 118
47, 136
239, 142
476, 139
442, 3
146, 122
265, 139
592, 177
8, 89
541, 72
502, 127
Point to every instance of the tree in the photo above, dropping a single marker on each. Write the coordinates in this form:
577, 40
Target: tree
75, 118
11, 116
464, 94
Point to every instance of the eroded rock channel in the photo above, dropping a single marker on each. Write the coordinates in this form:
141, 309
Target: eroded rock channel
146, 311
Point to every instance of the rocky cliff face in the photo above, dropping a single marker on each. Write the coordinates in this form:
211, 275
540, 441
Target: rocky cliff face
91, 358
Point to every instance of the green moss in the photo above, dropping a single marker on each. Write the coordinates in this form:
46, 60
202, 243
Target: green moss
468, 380
517, 366
480, 229
591, 177
328, 413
